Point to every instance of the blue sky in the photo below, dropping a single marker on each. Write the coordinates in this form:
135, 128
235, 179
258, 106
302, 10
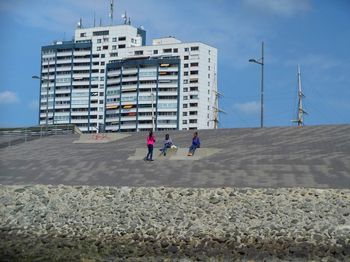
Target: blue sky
313, 34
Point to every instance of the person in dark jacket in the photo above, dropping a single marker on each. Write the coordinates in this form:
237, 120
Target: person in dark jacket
195, 144
150, 143
167, 144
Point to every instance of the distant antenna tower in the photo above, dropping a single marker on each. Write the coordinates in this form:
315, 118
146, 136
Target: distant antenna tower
111, 6
301, 111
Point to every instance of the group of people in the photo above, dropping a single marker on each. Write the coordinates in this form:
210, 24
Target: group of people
168, 143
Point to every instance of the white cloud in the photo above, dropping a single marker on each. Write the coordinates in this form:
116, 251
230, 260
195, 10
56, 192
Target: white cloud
279, 7
8, 97
248, 107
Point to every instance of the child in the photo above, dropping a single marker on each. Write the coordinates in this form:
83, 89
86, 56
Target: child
150, 142
195, 144
167, 144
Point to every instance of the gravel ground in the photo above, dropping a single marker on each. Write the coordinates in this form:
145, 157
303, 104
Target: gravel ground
81, 223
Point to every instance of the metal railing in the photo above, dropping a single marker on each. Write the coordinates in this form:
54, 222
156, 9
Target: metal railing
14, 136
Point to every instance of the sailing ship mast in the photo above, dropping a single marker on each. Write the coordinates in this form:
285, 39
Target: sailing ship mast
301, 111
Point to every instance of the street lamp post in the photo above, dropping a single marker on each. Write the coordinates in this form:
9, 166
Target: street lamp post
47, 92
261, 62
152, 96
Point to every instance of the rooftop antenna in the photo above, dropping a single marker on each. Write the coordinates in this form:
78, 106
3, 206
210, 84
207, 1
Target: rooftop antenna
94, 18
125, 18
111, 4
129, 21
80, 23
100, 22
301, 111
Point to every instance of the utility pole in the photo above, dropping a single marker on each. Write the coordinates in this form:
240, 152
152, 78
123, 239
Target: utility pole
47, 93
152, 97
301, 111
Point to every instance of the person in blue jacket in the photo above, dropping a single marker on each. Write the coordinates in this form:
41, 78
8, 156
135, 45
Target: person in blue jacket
167, 144
195, 144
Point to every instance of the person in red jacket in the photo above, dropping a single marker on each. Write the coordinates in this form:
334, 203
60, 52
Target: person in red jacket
150, 143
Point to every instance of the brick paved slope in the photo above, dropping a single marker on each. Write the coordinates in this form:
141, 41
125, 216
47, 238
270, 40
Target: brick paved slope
315, 156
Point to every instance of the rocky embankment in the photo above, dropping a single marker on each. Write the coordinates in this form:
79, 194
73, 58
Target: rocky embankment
50, 223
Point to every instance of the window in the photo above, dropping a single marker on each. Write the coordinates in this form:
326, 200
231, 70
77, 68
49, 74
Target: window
114, 39
82, 34
194, 81
194, 72
194, 64
114, 47
185, 73
103, 55
105, 47
194, 48
98, 41
209, 51
122, 38
193, 104
155, 52
186, 57
102, 78
184, 113
97, 33
208, 92
139, 52
185, 81
208, 83
102, 71
186, 49
193, 113
194, 97
121, 46
176, 50
208, 75
208, 68
209, 60
194, 88
185, 97
193, 121
185, 65
184, 122
98, 48
102, 63
114, 54
185, 89
168, 50
184, 105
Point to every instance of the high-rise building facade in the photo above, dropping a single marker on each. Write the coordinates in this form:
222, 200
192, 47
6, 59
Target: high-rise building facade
107, 78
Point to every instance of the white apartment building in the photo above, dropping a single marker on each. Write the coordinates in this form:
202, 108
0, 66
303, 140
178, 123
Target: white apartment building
107, 78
